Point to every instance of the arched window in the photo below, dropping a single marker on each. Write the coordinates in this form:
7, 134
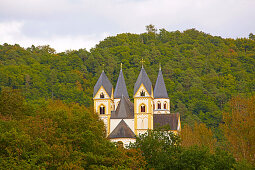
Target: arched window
102, 110
159, 105
165, 105
142, 93
102, 95
142, 108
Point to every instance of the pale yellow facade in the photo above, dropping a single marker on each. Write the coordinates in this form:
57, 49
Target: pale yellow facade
143, 121
145, 108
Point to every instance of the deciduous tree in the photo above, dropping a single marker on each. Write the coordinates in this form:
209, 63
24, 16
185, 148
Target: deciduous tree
239, 128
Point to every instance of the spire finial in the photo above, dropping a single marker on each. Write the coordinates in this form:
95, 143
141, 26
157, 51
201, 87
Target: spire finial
159, 66
142, 61
120, 66
103, 67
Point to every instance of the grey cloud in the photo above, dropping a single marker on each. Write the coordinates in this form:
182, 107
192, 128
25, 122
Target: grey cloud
44, 19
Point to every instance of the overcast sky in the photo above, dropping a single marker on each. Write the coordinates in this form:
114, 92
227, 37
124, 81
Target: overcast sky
75, 24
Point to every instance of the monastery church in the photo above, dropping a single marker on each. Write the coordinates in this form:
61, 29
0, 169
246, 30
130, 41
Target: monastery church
122, 118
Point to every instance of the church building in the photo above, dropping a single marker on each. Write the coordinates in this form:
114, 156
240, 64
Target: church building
123, 119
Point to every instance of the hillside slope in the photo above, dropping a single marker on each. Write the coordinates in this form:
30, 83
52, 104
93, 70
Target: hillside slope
201, 72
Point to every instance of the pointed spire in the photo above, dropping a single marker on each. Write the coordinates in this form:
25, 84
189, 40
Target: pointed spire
160, 88
124, 110
143, 79
121, 89
103, 67
142, 61
105, 82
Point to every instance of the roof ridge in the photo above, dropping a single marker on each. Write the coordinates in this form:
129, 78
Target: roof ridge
124, 110
122, 130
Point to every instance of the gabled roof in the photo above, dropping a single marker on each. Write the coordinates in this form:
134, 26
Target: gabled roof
103, 81
160, 120
122, 130
143, 79
125, 109
160, 88
121, 88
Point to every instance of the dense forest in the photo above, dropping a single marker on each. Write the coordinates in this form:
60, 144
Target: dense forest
46, 114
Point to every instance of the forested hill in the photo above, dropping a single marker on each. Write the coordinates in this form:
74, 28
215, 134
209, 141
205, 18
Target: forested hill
201, 72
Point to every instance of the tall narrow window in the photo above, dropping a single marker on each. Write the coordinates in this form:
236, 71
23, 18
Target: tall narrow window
142, 93
159, 105
102, 110
143, 108
165, 105
102, 95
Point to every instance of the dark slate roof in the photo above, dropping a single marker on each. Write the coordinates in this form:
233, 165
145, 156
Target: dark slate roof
160, 88
143, 79
160, 120
125, 109
121, 88
122, 130
103, 81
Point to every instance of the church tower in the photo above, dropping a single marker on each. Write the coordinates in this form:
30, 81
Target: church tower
103, 100
120, 90
161, 99
143, 103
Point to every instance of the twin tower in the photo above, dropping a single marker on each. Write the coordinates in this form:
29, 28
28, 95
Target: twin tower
122, 118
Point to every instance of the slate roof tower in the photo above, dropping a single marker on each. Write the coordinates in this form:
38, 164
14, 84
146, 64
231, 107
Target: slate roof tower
160, 87
161, 99
103, 99
143, 99
121, 89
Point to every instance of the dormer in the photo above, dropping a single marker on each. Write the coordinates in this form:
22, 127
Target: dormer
103, 87
143, 85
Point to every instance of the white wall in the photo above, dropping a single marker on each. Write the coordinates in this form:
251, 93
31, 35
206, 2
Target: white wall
130, 123
140, 101
114, 123
116, 102
105, 103
162, 110
142, 121
125, 141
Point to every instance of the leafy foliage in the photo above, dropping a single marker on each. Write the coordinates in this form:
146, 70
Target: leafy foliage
159, 148
162, 150
200, 135
58, 135
46, 117
239, 128
202, 72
